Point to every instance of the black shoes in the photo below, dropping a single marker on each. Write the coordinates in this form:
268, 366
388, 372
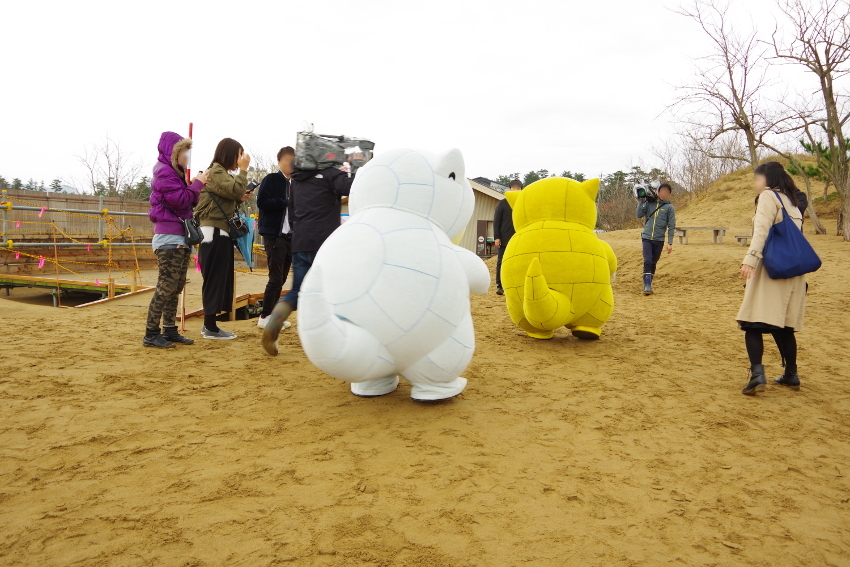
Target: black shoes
157, 341
790, 378
499, 290
167, 339
171, 334
757, 381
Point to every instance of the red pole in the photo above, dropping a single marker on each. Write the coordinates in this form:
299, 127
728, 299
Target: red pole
188, 177
183, 292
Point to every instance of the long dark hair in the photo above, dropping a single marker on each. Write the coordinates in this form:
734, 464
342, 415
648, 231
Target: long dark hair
226, 153
777, 178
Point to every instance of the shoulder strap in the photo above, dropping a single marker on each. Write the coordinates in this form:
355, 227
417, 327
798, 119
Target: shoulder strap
654, 213
219, 204
170, 210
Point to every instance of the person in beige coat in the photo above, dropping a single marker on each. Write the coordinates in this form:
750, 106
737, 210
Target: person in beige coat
777, 307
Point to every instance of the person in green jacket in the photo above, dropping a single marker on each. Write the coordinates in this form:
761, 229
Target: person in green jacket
659, 217
216, 204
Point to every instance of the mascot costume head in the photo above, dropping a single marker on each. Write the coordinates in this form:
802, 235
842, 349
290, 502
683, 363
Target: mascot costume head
556, 272
388, 293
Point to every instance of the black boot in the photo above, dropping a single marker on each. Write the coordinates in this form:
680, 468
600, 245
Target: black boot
172, 335
757, 380
154, 339
790, 378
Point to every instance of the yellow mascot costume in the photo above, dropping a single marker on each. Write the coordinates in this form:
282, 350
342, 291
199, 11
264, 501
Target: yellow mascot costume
556, 272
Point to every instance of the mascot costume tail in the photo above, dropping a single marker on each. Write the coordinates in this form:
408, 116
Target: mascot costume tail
556, 272
388, 293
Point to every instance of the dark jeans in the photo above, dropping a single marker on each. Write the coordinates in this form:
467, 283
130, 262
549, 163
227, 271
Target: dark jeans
301, 263
499, 255
651, 254
279, 258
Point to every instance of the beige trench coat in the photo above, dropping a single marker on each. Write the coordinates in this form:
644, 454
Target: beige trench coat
781, 303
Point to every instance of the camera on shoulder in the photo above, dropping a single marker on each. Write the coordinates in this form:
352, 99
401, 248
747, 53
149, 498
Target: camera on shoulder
647, 190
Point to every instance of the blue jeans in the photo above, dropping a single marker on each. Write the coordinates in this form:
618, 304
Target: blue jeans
301, 263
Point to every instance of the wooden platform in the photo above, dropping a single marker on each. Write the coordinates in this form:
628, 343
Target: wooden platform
110, 289
238, 302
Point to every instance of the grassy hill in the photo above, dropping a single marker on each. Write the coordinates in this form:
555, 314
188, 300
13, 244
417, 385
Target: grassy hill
729, 202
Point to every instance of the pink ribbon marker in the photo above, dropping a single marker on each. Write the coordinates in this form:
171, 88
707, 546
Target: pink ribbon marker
40, 262
197, 264
17, 255
41, 212
18, 224
88, 247
96, 282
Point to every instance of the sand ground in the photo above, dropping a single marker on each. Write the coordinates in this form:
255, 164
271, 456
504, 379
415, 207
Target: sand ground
637, 449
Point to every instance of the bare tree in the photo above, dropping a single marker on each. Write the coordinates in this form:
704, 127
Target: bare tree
724, 107
110, 170
821, 43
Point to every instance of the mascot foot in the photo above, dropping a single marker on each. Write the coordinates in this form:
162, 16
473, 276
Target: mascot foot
375, 388
587, 333
432, 392
542, 335
274, 324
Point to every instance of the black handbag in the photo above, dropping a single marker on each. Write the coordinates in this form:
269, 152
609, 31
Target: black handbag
235, 225
194, 236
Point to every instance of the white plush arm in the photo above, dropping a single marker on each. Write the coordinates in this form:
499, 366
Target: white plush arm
476, 271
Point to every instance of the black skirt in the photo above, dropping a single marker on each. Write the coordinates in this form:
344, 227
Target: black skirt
216, 259
761, 327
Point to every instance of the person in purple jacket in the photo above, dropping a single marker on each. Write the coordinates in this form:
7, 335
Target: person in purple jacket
172, 200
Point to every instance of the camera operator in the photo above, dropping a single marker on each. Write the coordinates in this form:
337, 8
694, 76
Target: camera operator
315, 201
659, 216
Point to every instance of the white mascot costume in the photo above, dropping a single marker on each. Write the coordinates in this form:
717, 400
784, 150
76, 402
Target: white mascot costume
388, 293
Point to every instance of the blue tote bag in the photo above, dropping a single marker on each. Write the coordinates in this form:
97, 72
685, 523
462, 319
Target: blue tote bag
787, 253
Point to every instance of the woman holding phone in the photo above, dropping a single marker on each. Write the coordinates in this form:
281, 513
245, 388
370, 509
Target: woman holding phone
171, 200
217, 203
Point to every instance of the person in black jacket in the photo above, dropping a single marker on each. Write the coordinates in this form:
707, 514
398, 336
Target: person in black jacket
315, 201
503, 230
275, 227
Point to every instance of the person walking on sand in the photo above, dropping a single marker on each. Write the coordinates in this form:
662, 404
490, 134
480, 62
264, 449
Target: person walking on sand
216, 205
503, 230
316, 204
659, 217
172, 200
275, 227
771, 306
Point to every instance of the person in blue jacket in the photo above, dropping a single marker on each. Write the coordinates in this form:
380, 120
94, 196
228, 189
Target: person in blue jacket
659, 217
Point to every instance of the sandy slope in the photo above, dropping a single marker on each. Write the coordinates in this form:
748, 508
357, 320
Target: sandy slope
634, 450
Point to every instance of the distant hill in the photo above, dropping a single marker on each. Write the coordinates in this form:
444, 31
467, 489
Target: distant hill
730, 202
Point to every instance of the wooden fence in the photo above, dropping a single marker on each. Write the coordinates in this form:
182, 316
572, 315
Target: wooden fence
33, 228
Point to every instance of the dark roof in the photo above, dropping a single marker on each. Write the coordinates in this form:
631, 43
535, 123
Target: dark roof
496, 186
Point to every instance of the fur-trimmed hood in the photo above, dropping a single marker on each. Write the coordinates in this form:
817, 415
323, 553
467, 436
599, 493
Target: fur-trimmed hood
170, 146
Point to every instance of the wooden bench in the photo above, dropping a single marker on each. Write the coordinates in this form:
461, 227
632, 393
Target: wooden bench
717, 238
743, 239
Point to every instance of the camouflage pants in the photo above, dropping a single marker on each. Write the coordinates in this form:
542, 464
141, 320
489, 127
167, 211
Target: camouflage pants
172, 264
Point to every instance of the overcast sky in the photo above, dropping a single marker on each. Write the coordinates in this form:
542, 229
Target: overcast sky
516, 85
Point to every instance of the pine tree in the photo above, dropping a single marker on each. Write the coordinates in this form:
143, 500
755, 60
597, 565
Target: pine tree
3, 183
56, 186
17, 185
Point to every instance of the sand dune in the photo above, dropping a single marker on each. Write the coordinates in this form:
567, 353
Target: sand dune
634, 450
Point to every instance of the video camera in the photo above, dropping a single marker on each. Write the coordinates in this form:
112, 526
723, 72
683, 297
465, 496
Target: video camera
647, 190
320, 151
